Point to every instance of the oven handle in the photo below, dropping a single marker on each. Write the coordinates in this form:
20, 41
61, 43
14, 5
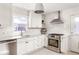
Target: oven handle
78, 45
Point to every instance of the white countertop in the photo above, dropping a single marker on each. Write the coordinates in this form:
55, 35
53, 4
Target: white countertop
17, 37
9, 38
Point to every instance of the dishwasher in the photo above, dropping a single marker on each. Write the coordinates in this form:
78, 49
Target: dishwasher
12, 47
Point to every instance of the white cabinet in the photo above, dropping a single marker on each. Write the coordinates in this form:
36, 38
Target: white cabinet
35, 20
5, 19
74, 44
21, 46
26, 45
38, 42
5, 15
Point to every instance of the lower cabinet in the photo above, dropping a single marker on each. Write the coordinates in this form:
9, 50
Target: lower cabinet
24, 46
74, 44
27, 45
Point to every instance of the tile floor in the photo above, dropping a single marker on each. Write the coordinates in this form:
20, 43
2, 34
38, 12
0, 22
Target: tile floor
44, 51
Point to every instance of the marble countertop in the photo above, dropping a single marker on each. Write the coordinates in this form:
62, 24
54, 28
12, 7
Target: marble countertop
17, 37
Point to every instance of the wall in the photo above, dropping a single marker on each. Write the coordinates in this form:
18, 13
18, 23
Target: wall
62, 28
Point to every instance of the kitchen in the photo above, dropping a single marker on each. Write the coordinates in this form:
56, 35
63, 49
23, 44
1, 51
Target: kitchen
24, 32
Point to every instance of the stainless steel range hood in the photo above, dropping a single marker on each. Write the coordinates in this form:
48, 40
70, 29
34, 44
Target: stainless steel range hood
58, 20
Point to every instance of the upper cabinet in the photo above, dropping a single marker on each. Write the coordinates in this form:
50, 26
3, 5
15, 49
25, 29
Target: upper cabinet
35, 20
5, 15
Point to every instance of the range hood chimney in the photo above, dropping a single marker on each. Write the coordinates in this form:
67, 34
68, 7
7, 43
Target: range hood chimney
58, 20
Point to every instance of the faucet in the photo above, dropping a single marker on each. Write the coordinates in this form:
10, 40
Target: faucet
21, 33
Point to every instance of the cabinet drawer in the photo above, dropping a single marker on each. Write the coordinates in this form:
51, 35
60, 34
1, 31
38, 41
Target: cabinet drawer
24, 47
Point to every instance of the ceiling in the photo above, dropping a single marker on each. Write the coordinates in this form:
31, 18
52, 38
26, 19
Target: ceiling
48, 7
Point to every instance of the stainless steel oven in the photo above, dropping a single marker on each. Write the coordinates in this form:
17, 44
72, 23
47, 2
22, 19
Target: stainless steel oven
54, 42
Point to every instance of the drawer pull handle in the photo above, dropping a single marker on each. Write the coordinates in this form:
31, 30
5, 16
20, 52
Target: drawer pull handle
78, 45
26, 42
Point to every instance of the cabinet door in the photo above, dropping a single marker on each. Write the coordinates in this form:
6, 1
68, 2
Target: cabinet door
5, 15
38, 42
24, 46
75, 44
41, 41
5, 19
35, 20
21, 48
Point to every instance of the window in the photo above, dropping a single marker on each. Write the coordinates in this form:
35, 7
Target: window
20, 23
76, 28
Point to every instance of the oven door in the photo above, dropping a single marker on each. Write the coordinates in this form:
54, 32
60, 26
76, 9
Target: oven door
53, 42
